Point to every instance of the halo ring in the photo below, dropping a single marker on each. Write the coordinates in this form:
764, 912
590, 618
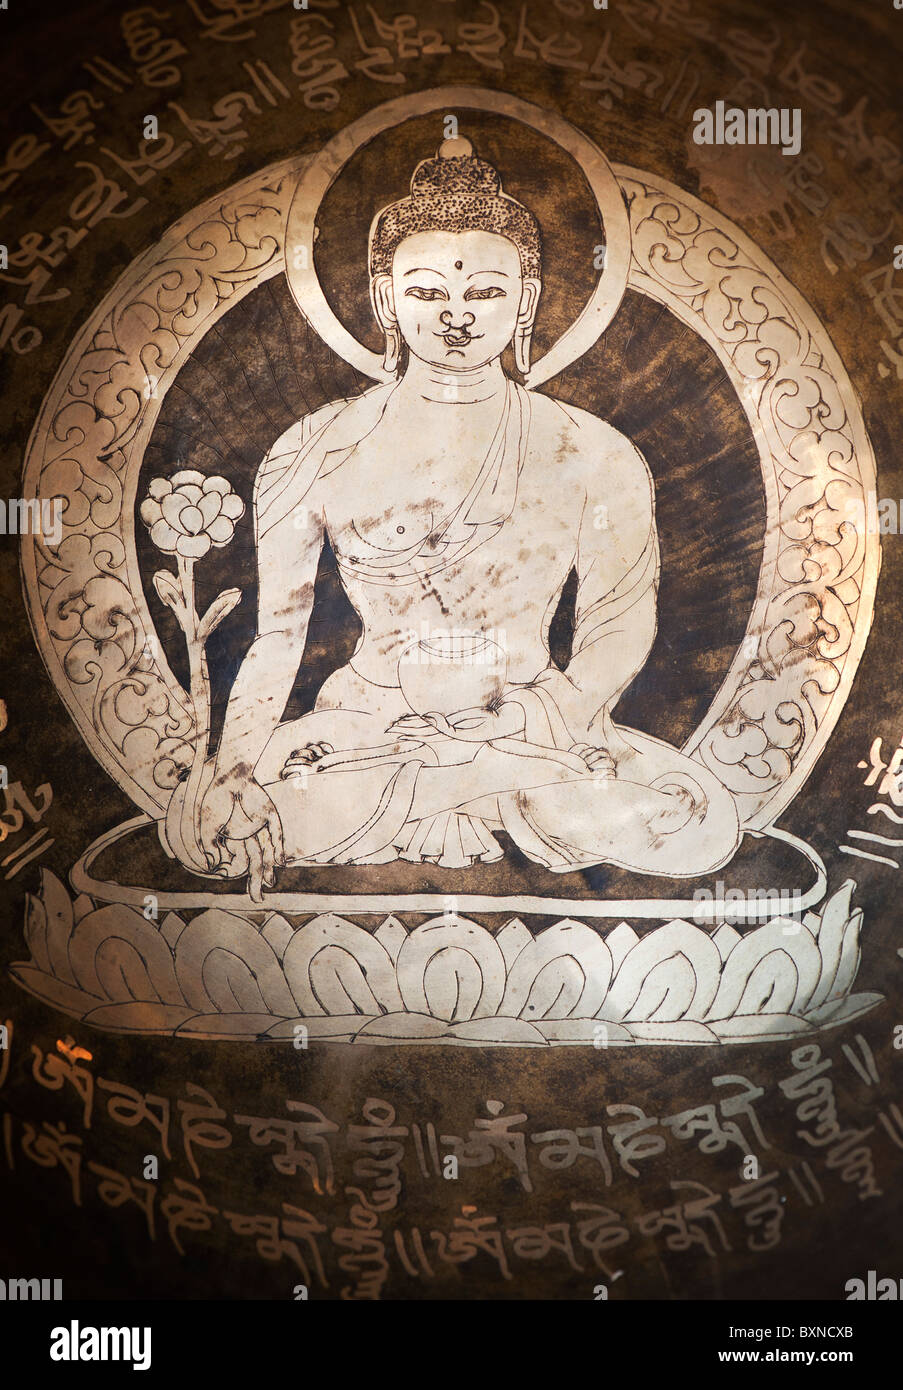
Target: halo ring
783, 694
325, 168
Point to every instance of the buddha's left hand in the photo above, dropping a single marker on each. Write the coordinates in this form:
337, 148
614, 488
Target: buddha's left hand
477, 725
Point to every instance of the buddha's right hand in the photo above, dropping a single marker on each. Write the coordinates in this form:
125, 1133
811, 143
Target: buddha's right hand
241, 830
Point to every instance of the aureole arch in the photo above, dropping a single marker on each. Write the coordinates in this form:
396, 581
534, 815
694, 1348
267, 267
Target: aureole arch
785, 689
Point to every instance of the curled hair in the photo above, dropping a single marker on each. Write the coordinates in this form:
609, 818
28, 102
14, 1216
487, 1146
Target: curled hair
455, 192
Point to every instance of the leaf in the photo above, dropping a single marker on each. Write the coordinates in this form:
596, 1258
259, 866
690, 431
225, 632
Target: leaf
220, 608
168, 590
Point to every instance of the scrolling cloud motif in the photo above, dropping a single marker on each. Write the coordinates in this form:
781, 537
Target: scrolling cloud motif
807, 629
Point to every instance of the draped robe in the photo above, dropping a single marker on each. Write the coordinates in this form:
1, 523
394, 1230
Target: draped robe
358, 805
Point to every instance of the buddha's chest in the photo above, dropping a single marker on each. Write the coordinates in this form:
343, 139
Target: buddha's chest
500, 575
402, 490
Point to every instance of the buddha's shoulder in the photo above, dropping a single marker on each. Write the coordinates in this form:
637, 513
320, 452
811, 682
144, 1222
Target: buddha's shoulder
345, 418
582, 439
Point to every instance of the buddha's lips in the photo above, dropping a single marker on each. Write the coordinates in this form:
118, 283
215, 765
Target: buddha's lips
459, 339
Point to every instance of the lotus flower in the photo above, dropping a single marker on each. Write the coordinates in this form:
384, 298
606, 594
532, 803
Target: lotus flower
219, 974
189, 512
186, 515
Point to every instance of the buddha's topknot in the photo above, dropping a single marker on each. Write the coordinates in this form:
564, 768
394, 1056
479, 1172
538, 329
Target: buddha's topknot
455, 192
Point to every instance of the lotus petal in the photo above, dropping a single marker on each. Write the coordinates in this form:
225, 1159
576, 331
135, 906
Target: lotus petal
510, 1032
583, 1030
277, 933
685, 1031
413, 1026
836, 911
726, 938
843, 1010
754, 1027
36, 931
209, 507
220, 530
217, 484
771, 987
119, 955
171, 928
849, 958
81, 906
797, 965
164, 537
453, 984
232, 984
123, 974
192, 520
342, 1028
171, 509
59, 995
391, 935
512, 939
60, 921
193, 547
134, 1017
341, 986
830, 932
214, 1026
666, 994
668, 943
356, 970
555, 992
564, 972
619, 942
452, 970
251, 960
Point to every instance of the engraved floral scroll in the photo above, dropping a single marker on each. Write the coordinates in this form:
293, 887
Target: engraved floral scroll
807, 629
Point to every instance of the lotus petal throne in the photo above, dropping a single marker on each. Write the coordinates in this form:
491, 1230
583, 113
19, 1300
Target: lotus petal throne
457, 502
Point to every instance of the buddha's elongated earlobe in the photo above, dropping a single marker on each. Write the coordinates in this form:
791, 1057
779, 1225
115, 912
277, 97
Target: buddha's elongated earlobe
522, 340
392, 354
383, 303
526, 318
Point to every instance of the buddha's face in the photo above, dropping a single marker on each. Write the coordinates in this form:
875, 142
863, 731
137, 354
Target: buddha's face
458, 297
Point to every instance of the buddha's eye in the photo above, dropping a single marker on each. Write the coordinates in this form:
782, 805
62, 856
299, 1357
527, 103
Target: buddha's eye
491, 292
422, 292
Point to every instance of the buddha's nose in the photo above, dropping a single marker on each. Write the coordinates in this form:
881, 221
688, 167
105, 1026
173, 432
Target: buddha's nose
445, 318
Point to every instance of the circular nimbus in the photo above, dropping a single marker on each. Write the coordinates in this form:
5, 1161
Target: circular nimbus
785, 689
325, 168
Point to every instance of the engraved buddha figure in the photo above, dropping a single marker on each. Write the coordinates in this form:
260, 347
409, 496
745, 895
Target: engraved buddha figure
457, 502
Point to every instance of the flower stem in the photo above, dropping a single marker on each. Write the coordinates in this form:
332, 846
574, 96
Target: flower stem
199, 686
